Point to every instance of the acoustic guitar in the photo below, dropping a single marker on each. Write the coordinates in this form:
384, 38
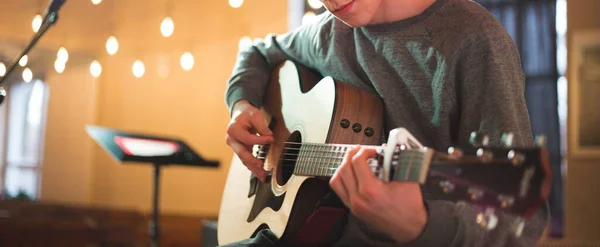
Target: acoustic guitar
316, 119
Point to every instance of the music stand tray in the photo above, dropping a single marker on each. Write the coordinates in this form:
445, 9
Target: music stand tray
127, 147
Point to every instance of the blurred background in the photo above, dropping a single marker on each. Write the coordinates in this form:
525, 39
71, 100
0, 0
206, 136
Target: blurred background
160, 67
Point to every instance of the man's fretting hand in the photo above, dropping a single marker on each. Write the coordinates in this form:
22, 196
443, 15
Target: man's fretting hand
394, 208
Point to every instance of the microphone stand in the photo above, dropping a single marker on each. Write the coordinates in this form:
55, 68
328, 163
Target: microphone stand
50, 19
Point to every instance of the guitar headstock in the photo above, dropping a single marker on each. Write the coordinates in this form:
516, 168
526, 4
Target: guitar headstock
512, 179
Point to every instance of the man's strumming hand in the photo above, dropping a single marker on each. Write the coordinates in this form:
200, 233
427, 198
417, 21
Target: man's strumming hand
246, 122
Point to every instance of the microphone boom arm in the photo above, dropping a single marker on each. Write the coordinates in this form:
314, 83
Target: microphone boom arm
50, 19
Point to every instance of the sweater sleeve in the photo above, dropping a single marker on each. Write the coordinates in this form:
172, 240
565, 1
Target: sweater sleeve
254, 63
490, 97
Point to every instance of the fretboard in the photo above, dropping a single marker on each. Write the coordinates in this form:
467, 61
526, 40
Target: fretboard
322, 160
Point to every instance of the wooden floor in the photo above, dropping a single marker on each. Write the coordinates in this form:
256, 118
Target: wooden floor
35, 224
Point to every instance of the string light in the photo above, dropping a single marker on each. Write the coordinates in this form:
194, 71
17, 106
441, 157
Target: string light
315, 4
138, 69
36, 23
23, 61
62, 55
236, 3
96, 2
187, 61
167, 27
2, 69
95, 68
27, 75
112, 45
59, 65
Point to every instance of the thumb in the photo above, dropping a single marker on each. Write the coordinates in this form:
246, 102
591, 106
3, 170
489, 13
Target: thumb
258, 123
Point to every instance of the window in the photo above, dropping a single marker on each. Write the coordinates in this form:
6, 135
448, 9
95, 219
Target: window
538, 28
25, 122
561, 65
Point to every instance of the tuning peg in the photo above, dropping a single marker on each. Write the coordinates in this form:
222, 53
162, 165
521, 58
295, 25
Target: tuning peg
454, 153
515, 158
488, 219
476, 194
518, 225
479, 139
507, 139
447, 186
485, 156
506, 201
540, 140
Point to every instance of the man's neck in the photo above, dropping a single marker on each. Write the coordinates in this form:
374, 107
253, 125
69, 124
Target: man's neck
398, 10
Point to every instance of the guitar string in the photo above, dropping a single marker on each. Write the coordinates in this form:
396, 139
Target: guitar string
331, 150
320, 144
314, 148
325, 154
331, 170
326, 167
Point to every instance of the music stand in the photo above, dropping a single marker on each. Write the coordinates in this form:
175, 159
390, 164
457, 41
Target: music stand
159, 151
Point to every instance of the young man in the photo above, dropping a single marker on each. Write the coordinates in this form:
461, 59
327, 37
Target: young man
443, 68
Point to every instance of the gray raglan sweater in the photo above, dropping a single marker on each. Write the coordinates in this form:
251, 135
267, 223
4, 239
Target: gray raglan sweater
442, 74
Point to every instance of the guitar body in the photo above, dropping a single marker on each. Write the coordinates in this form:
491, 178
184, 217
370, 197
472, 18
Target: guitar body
300, 106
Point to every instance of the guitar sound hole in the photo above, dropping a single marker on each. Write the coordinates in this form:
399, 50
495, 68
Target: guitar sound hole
289, 156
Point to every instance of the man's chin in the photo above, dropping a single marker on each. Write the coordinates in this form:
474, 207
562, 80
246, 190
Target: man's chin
352, 22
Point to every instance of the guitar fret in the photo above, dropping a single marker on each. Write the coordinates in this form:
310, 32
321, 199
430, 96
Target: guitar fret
325, 151
306, 160
299, 164
333, 161
331, 150
312, 159
319, 159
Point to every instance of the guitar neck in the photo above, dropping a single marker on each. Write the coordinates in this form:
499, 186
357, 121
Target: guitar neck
316, 159
322, 160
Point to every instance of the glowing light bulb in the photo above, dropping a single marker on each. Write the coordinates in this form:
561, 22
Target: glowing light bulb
315, 4
23, 61
244, 42
59, 66
95, 68
2, 69
138, 68
96, 2
187, 61
308, 18
236, 3
62, 55
167, 27
36, 23
112, 45
27, 75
